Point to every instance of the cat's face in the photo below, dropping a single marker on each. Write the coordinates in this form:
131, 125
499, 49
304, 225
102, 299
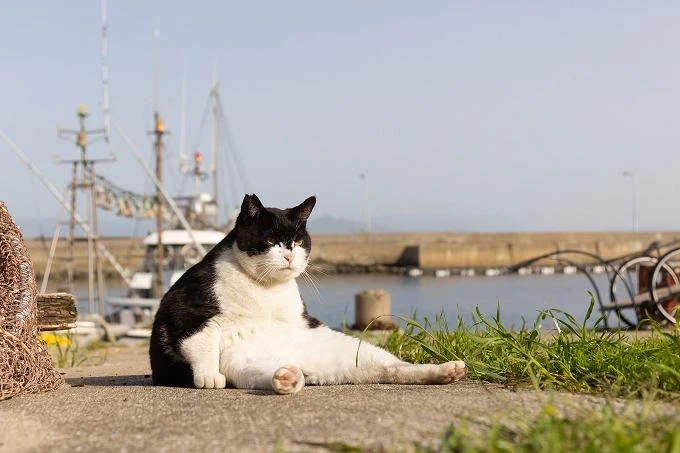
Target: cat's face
273, 244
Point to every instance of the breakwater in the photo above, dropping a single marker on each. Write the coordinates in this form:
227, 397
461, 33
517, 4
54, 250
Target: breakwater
430, 250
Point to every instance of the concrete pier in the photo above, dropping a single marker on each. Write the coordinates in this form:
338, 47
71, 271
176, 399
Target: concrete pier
423, 250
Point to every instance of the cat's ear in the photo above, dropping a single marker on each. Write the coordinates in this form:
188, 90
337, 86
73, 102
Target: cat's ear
302, 212
251, 206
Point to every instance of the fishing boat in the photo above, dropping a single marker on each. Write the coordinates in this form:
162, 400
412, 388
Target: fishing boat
182, 238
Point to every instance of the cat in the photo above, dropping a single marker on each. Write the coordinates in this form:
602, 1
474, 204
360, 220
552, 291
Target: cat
236, 318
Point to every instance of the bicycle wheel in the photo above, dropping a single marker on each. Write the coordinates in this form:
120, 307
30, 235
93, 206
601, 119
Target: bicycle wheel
663, 276
625, 285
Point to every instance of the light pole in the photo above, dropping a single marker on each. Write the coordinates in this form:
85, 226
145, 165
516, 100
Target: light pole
366, 209
633, 184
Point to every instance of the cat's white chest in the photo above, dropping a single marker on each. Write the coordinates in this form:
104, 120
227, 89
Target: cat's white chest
248, 307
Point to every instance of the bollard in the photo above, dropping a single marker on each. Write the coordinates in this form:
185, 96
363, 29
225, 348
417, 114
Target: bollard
371, 304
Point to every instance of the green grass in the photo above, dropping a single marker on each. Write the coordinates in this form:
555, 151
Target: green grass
600, 431
575, 358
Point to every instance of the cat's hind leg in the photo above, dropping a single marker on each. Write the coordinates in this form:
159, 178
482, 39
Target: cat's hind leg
335, 358
408, 373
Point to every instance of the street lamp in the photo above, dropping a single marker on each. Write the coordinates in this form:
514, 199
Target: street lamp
366, 209
633, 185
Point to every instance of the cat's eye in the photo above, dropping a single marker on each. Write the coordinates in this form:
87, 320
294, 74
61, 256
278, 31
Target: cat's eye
270, 242
298, 242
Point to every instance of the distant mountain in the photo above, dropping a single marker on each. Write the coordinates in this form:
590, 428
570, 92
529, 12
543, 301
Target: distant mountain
329, 224
109, 225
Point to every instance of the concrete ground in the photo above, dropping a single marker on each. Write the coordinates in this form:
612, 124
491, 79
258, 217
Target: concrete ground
113, 407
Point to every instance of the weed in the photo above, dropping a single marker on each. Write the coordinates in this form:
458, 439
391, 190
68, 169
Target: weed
603, 430
574, 358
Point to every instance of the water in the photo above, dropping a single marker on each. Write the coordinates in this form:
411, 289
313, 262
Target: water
519, 297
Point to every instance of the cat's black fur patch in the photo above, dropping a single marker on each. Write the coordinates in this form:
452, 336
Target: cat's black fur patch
312, 322
191, 302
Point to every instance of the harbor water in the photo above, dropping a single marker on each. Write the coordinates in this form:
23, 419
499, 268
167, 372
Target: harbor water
519, 298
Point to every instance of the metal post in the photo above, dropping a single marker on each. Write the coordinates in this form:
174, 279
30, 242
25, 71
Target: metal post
366, 207
633, 184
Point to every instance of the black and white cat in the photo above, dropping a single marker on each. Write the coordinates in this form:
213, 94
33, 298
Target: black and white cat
236, 318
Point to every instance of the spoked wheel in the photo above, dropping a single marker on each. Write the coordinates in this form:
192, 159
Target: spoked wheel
664, 289
626, 284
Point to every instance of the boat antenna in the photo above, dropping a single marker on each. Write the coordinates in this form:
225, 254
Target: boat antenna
215, 96
183, 122
105, 71
156, 64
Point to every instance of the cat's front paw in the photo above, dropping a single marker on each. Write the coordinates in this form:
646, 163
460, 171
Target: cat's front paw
451, 371
288, 379
204, 380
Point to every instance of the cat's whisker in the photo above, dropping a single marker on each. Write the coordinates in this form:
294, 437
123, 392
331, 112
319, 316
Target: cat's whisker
313, 284
311, 277
268, 269
318, 269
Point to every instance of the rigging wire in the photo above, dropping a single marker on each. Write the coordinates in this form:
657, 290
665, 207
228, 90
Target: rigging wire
36, 205
236, 155
204, 120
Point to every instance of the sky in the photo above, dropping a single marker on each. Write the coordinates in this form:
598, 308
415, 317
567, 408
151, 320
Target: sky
461, 115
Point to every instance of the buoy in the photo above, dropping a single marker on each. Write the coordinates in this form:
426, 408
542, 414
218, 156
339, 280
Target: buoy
415, 272
492, 272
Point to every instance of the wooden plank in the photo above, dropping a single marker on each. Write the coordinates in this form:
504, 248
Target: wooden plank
56, 311
664, 293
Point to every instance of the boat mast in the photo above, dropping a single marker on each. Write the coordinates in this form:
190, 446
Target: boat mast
159, 131
168, 198
64, 204
87, 183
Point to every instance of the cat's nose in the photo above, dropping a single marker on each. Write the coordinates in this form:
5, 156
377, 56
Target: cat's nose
288, 256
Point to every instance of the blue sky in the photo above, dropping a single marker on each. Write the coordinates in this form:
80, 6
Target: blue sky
475, 116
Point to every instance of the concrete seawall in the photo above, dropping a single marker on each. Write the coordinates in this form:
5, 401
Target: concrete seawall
425, 250
477, 250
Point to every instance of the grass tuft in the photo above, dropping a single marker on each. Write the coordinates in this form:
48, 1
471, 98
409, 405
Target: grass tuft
574, 357
605, 430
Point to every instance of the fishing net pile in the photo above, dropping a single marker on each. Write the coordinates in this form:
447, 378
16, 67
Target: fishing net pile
25, 365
